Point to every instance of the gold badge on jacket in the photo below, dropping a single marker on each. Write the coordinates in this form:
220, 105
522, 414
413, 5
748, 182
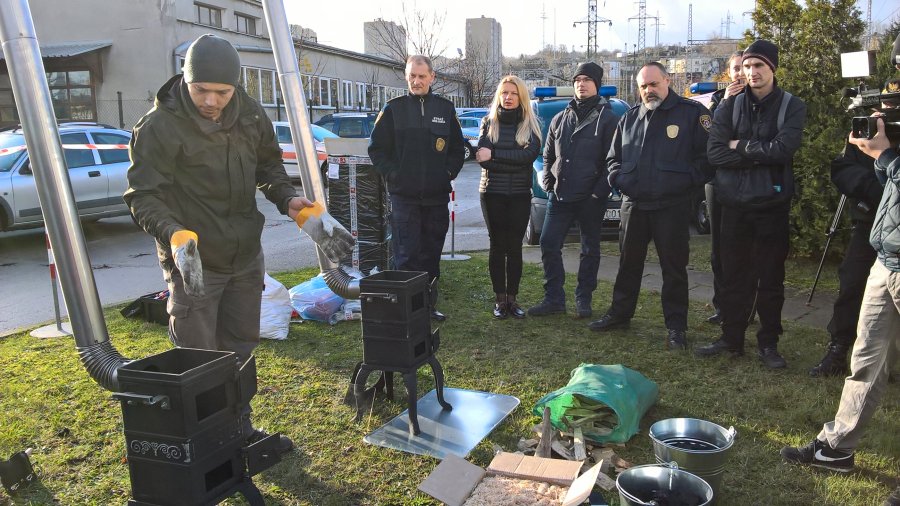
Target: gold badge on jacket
439, 144
672, 131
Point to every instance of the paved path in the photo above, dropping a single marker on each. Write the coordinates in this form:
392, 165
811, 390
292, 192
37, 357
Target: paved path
700, 284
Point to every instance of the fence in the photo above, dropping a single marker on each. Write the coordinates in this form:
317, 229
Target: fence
123, 112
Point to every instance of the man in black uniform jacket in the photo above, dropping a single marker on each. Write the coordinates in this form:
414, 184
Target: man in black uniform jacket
752, 144
657, 160
417, 145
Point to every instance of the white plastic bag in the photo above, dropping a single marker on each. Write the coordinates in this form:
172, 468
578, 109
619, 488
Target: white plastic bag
275, 312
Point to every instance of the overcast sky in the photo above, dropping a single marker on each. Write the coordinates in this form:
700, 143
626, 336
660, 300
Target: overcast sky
340, 23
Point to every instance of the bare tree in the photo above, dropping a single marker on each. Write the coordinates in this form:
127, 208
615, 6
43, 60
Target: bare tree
480, 74
372, 76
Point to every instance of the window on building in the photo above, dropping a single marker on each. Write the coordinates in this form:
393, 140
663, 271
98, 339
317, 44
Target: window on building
251, 82
267, 87
209, 15
324, 92
72, 95
8, 113
245, 24
347, 96
362, 95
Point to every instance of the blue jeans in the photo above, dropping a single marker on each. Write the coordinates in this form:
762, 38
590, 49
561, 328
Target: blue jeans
557, 222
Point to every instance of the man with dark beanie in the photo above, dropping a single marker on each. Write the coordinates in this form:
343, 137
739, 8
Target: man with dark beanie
658, 161
197, 159
575, 180
752, 143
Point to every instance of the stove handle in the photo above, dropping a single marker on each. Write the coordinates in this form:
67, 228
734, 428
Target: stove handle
147, 400
391, 297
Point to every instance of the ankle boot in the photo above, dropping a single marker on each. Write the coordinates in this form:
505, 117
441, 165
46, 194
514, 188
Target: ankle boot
513, 307
500, 309
834, 363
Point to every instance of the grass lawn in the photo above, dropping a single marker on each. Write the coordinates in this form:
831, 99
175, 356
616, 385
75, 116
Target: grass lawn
49, 403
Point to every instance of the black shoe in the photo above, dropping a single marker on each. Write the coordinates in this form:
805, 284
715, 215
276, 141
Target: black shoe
437, 315
545, 308
834, 363
718, 347
284, 445
818, 454
894, 498
608, 322
716, 318
500, 311
582, 309
515, 310
676, 340
771, 358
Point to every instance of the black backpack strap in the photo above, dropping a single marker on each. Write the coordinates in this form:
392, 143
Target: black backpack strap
782, 109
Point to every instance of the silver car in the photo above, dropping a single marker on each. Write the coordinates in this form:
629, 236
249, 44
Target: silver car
97, 158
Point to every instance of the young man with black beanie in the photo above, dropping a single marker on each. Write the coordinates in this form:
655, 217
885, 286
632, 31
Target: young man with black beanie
574, 177
752, 143
197, 159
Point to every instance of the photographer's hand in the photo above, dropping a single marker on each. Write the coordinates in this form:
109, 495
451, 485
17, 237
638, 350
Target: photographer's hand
876, 145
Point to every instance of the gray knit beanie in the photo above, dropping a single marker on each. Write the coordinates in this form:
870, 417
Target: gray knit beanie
212, 59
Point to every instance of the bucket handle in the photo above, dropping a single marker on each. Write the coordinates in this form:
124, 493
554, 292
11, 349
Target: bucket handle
671, 465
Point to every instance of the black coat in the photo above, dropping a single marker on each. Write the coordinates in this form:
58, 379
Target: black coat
417, 145
852, 174
761, 147
658, 156
575, 153
509, 170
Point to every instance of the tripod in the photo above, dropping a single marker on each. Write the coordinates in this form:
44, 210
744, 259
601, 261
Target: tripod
831, 231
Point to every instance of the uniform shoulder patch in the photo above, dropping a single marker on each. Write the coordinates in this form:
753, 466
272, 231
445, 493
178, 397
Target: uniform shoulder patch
705, 121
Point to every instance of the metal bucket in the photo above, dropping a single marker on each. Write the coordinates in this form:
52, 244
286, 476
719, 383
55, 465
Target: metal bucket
662, 485
697, 446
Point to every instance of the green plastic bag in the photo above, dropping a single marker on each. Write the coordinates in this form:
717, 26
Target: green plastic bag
624, 393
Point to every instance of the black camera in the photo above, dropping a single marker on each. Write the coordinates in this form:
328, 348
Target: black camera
861, 64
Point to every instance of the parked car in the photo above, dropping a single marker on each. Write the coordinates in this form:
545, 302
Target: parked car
349, 124
97, 158
289, 155
471, 129
471, 112
548, 102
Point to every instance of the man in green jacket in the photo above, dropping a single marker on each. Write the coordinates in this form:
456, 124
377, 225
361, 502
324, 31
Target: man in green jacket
198, 158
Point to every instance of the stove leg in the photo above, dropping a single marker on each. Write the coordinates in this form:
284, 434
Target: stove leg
388, 377
252, 494
439, 382
359, 389
409, 379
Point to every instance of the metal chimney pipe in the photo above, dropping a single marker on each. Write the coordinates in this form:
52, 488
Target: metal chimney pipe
32, 96
295, 105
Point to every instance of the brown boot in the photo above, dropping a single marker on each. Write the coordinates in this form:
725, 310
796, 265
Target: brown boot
500, 311
513, 308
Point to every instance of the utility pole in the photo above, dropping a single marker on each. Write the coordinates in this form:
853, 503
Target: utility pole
726, 25
543, 26
642, 25
752, 21
656, 25
592, 21
869, 29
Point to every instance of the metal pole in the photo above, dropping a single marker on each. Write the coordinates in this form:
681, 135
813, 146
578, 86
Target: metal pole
295, 106
121, 112
32, 96
831, 231
453, 255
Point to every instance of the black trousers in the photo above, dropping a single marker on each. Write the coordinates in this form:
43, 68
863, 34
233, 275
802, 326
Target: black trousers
754, 246
668, 228
714, 211
418, 232
852, 273
506, 217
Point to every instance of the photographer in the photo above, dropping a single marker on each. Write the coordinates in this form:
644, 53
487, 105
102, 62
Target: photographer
853, 176
879, 321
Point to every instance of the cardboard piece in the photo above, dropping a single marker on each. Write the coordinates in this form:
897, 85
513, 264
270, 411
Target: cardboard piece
516, 465
454, 479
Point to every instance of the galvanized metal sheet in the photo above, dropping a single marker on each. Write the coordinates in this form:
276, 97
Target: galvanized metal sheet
475, 414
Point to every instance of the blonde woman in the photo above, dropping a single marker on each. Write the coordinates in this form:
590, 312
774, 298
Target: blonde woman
510, 141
